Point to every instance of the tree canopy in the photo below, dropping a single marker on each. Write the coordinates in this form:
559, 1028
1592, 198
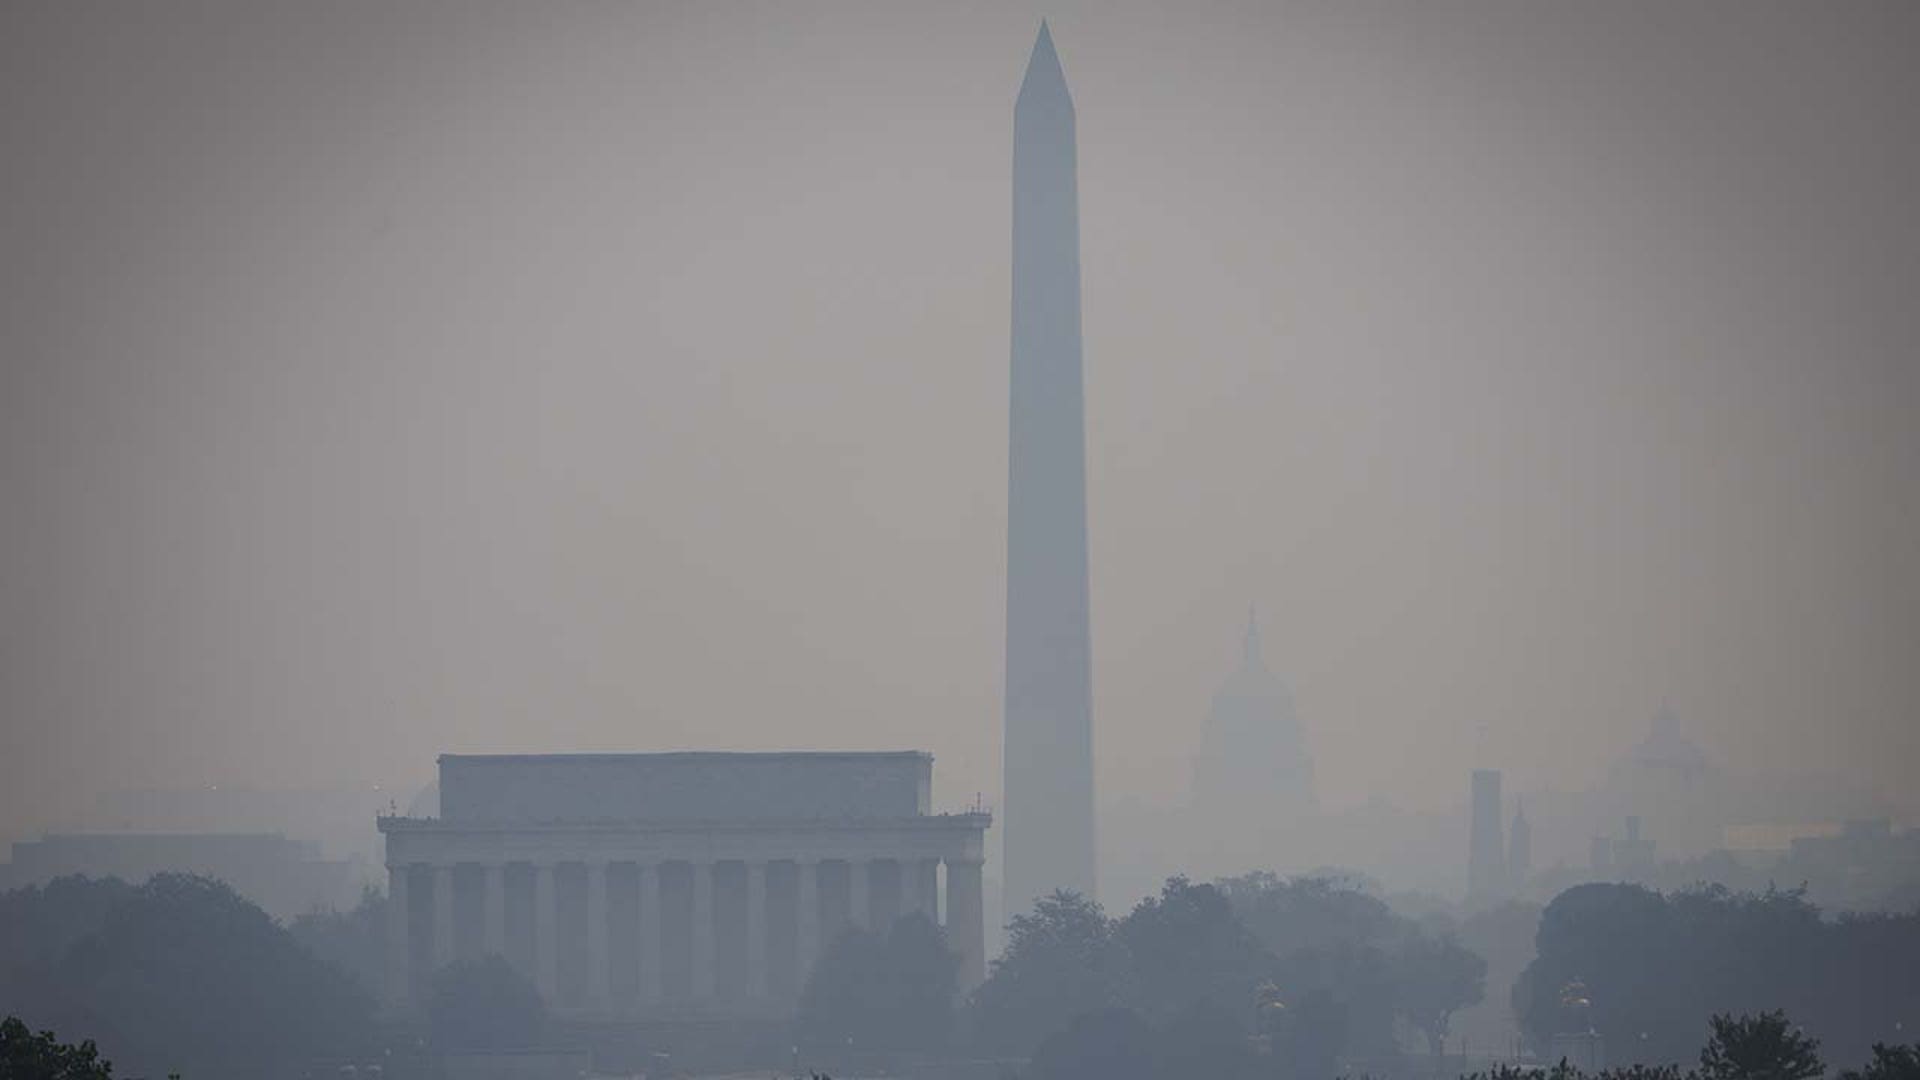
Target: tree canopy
1762, 1047
1888, 1063
1652, 968
1188, 947
181, 974
1061, 960
1195, 955
484, 1004
353, 941
1433, 977
26, 1055
891, 993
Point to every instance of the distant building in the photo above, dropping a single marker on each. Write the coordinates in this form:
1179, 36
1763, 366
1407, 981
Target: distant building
1600, 856
1253, 766
1666, 754
1668, 780
1775, 838
1519, 850
690, 884
1869, 854
1633, 854
283, 877
1486, 852
1630, 857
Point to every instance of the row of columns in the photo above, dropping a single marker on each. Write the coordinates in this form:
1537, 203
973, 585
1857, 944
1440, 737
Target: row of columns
422, 930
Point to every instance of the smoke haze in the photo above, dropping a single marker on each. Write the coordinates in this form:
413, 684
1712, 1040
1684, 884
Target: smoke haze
384, 380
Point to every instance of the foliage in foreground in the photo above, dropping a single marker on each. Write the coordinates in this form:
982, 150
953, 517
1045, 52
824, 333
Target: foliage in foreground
25, 1055
1763, 1046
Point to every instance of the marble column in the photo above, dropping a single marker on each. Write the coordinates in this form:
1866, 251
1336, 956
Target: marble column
493, 909
966, 920
859, 896
399, 955
650, 947
703, 931
756, 930
597, 994
806, 918
546, 934
910, 899
442, 915
929, 872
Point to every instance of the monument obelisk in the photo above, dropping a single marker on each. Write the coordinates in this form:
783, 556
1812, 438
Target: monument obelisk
1048, 748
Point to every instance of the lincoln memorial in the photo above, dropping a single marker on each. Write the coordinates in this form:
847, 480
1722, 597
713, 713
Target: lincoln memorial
696, 884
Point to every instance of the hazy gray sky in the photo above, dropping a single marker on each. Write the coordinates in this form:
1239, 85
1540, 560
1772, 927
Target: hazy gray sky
385, 379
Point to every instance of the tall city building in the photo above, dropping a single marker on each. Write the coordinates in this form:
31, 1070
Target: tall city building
1048, 745
1486, 853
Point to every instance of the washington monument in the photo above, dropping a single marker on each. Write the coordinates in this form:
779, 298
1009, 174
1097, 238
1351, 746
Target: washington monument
1048, 748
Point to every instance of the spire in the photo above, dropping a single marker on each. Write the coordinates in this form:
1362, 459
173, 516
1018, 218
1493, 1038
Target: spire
1250, 646
1043, 67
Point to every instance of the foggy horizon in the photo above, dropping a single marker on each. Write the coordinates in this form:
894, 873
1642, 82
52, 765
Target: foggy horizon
384, 381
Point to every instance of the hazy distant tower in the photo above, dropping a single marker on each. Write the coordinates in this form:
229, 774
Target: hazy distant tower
1486, 854
1519, 850
1048, 747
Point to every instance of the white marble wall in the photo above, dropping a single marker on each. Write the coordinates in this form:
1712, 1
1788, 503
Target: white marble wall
611, 920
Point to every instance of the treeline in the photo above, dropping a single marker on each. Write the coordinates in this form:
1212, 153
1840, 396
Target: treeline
1252, 976
1233, 979
1312, 977
1645, 969
180, 974
1217, 980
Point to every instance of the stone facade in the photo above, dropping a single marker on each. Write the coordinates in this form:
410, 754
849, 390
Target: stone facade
630, 885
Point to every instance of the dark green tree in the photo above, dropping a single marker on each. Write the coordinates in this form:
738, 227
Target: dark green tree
1888, 1063
1206, 1040
1653, 968
1310, 912
844, 996
894, 993
39, 923
1061, 960
1434, 977
1308, 1037
1609, 938
1187, 946
1759, 1047
922, 977
183, 974
1350, 985
353, 941
484, 1004
1107, 1044
25, 1055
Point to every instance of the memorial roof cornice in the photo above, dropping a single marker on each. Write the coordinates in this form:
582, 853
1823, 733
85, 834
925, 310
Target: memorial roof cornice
957, 822
702, 755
